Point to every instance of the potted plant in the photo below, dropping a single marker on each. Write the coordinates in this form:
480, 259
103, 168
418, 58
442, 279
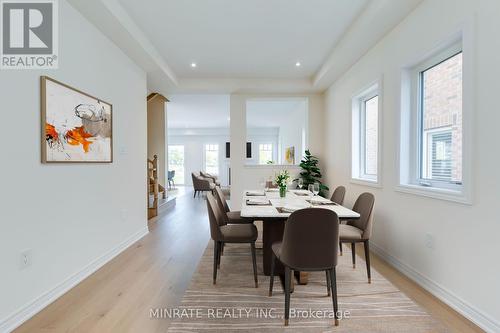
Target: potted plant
310, 172
281, 180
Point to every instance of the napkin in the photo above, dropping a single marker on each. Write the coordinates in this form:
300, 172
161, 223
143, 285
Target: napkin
256, 202
321, 202
291, 208
255, 193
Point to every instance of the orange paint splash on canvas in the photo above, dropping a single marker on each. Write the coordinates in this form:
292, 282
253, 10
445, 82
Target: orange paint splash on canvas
50, 132
78, 136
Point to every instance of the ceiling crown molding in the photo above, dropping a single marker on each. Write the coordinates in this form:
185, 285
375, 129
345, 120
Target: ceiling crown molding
114, 22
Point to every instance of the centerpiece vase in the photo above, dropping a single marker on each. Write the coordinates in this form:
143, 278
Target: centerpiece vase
282, 191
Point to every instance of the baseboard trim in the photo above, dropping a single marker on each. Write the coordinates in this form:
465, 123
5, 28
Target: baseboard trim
32, 308
468, 311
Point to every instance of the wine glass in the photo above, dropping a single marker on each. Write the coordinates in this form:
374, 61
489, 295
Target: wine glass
301, 183
310, 187
315, 189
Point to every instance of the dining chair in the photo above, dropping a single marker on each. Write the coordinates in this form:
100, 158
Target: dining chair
222, 233
310, 241
338, 195
360, 230
231, 217
201, 184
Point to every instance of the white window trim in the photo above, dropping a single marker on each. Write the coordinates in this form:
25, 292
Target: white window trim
218, 157
407, 140
357, 143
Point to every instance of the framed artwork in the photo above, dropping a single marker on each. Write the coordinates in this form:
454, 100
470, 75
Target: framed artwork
290, 155
76, 127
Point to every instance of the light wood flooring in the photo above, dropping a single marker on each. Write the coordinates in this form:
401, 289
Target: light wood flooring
155, 272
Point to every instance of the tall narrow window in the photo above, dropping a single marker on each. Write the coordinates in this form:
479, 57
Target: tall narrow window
212, 159
365, 136
265, 153
370, 140
176, 162
440, 122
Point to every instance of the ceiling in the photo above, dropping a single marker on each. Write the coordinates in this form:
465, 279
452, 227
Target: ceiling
241, 38
244, 46
212, 111
272, 113
198, 111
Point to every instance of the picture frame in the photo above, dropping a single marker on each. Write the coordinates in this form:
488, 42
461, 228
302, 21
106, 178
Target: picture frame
76, 127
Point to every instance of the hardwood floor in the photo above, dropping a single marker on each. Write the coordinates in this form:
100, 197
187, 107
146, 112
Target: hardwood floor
155, 272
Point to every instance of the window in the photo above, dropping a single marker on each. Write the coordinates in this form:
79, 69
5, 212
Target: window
212, 159
176, 162
440, 122
265, 153
365, 136
434, 157
370, 137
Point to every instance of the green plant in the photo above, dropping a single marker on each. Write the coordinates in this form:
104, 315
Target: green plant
310, 172
282, 178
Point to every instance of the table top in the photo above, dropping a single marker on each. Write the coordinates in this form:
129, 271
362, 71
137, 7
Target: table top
293, 198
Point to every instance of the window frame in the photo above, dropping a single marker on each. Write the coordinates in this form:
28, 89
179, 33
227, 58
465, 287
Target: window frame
416, 118
406, 171
358, 133
417, 107
206, 145
183, 182
261, 144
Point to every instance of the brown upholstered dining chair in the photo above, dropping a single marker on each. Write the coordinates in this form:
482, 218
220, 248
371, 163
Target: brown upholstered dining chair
338, 195
309, 243
201, 184
229, 233
214, 179
360, 230
231, 217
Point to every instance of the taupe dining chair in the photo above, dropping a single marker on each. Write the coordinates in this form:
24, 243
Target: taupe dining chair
231, 233
201, 184
231, 217
309, 243
338, 195
360, 230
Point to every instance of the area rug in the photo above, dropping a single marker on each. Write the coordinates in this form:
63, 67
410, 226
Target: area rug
235, 305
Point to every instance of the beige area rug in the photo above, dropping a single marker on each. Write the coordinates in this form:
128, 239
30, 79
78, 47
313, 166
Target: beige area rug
234, 305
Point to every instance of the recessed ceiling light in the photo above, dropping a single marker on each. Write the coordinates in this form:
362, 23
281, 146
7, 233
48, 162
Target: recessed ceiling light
193, 65
297, 64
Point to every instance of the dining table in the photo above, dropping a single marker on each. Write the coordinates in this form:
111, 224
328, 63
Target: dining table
267, 206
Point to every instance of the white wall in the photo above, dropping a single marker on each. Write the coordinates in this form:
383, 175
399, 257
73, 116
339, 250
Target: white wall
194, 141
462, 268
292, 132
249, 176
73, 217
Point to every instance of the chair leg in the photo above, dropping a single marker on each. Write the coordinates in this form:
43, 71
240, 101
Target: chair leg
254, 260
216, 255
333, 283
353, 248
328, 282
367, 259
194, 195
287, 294
271, 277
219, 251
340, 248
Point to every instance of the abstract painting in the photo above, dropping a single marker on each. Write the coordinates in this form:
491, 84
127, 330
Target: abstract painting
76, 127
290, 155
